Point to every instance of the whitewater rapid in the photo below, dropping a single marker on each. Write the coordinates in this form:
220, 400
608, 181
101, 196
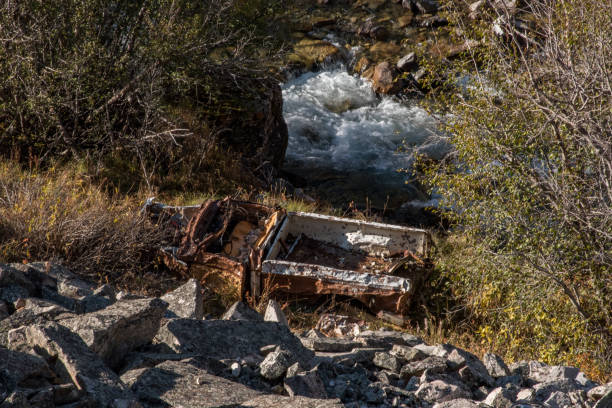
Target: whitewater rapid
336, 121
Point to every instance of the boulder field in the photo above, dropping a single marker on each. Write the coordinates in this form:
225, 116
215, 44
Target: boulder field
67, 343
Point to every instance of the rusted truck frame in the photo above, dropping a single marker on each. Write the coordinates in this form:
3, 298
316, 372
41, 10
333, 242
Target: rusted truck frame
295, 253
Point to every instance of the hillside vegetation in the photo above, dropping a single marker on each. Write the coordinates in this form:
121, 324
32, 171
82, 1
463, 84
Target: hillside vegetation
529, 186
104, 103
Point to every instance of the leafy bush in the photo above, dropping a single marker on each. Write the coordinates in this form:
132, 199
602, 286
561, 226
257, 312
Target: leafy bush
59, 215
85, 77
529, 185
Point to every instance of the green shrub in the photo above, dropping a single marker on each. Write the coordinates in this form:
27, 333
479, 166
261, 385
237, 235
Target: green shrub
528, 186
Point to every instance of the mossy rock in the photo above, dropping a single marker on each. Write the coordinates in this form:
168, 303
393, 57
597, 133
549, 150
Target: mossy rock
311, 51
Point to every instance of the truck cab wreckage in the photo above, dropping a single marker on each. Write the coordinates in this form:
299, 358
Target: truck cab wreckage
253, 247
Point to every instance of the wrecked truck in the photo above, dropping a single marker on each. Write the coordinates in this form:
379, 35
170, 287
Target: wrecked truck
255, 248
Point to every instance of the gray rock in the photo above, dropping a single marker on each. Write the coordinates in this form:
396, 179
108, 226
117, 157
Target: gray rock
16, 399
439, 350
407, 62
495, 365
294, 369
329, 344
387, 338
605, 401
460, 358
186, 301
278, 401
525, 395
106, 291
440, 391
19, 369
544, 390
19, 275
596, 393
407, 353
93, 303
274, 313
373, 393
4, 310
235, 369
422, 6
183, 383
12, 293
500, 398
559, 399
135, 360
120, 328
74, 361
31, 316
275, 365
416, 368
543, 373
388, 361
241, 311
307, 384
515, 380
229, 339
457, 403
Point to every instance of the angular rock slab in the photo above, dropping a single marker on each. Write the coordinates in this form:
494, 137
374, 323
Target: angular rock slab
31, 316
182, 383
278, 401
186, 301
274, 313
241, 311
17, 367
74, 361
223, 339
115, 331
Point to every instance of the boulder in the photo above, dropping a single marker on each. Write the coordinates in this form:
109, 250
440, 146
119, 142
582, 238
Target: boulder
596, 393
605, 401
4, 310
440, 391
274, 313
185, 301
495, 365
184, 383
470, 366
31, 316
383, 81
408, 354
434, 364
421, 6
457, 403
329, 344
275, 365
252, 116
229, 339
539, 372
19, 369
307, 384
387, 361
241, 311
544, 390
387, 339
12, 293
72, 361
407, 62
279, 401
120, 328
500, 398
373, 30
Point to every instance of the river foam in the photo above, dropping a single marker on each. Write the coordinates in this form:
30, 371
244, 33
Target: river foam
337, 122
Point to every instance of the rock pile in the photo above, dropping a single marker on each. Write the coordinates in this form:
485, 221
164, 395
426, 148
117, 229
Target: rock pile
66, 343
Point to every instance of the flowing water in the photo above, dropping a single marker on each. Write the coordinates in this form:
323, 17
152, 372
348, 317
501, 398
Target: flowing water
348, 144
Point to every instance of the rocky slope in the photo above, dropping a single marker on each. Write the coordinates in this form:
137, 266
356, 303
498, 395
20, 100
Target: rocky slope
66, 343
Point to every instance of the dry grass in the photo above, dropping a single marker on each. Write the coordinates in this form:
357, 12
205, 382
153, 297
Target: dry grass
59, 215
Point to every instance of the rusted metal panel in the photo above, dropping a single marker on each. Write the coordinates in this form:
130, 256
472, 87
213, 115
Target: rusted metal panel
222, 240
317, 254
241, 245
